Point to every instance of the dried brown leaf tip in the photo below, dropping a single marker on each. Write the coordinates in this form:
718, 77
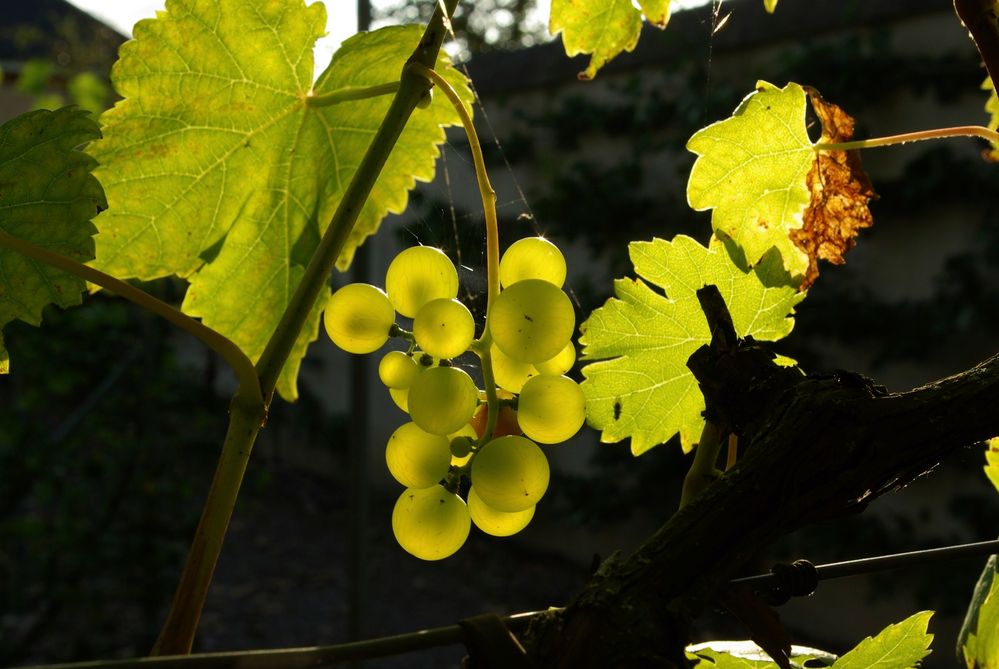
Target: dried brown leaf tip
840, 191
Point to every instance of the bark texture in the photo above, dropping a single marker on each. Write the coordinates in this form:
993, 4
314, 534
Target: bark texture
811, 448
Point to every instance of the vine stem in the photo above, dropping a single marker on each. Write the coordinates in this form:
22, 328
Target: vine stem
938, 133
241, 365
703, 471
351, 93
488, 195
247, 417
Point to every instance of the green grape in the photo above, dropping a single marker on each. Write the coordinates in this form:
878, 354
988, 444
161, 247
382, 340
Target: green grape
444, 328
398, 370
510, 473
416, 276
400, 396
551, 408
466, 431
430, 523
497, 523
561, 363
461, 447
415, 458
508, 373
358, 317
532, 258
442, 399
532, 321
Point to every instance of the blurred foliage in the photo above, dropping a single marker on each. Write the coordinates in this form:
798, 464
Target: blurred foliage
485, 25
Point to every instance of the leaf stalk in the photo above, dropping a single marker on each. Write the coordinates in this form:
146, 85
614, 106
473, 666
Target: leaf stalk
241, 365
922, 135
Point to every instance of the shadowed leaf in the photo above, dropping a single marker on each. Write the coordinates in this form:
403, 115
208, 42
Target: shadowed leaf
47, 198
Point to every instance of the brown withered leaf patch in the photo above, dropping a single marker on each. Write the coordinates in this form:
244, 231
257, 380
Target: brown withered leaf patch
840, 191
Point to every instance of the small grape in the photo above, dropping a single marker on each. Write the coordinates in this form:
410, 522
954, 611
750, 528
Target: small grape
442, 399
468, 432
510, 474
358, 317
444, 328
416, 276
430, 523
415, 458
497, 523
461, 447
532, 321
398, 370
532, 258
506, 421
561, 363
551, 408
508, 373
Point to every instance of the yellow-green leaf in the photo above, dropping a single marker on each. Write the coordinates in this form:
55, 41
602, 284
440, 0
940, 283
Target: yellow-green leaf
898, 646
978, 641
601, 28
217, 169
751, 171
47, 197
992, 109
637, 345
770, 6
992, 461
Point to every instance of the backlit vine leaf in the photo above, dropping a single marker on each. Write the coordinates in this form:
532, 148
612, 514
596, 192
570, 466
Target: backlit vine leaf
769, 187
992, 109
770, 6
978, 642
47, 197
218, 171
637, 382
603, 28
992, 461
898, 646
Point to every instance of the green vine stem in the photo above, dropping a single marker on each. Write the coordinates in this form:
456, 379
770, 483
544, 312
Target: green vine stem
488, 195
241, 365
351, 93
246, 416
939, 133
703, 470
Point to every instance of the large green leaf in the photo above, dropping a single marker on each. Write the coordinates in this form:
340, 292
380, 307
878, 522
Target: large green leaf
217, 169
47, 197
978, 642
603, 28
751, 170
640, 386
898, 646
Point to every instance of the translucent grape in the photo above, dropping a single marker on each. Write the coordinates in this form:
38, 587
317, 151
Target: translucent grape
442, 399
551, 408
400, 396
416, 276
532, 321
398, 370
510, 474
444, 328
532, 258
430, 523
508, 373
416, 458
561, 363
358, 317
497, 523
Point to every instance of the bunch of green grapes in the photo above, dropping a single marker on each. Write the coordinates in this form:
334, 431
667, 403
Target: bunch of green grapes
462, 438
